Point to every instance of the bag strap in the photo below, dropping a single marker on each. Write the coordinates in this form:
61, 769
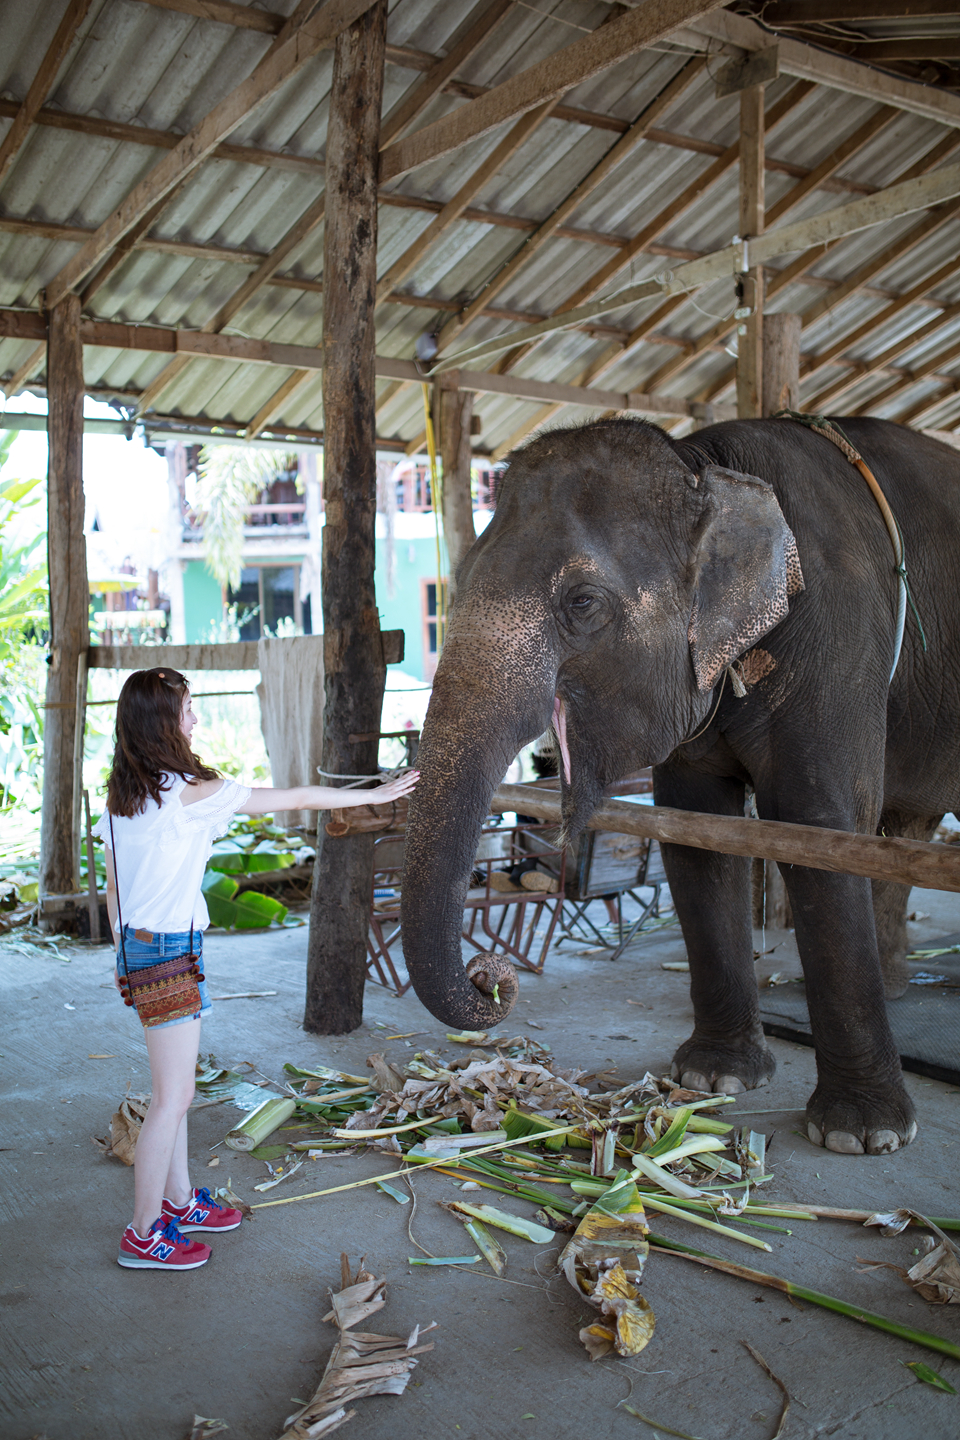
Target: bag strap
116, 880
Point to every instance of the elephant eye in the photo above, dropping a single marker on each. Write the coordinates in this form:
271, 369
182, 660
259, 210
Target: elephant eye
581, 602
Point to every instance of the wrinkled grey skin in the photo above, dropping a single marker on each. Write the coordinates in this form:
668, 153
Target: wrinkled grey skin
621, 572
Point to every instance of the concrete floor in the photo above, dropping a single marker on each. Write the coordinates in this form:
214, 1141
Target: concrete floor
92, 1350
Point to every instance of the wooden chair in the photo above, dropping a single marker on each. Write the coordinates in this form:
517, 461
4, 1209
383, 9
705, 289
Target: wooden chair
505, 922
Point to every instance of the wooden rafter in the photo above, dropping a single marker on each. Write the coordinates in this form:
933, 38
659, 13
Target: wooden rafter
282, 160
30, 325
809, 62
815, 363
288, 54
827, 67
801, 266
435, 80
785, 13
42, 83
613, 354
862, 275
544, 232
829, 166
517, 136
545, 80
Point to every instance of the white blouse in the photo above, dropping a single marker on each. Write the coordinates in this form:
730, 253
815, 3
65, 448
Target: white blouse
161, 855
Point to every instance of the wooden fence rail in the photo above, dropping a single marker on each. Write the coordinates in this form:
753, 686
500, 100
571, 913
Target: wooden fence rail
908, 862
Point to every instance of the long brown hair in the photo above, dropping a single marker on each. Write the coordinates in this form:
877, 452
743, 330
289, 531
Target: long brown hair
150, 742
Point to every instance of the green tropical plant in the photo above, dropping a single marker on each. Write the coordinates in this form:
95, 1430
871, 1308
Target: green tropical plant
23, 611
231, 479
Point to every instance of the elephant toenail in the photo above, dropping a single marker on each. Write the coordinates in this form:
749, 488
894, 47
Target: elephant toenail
843, 1143
674, 1072
693, 1080
882, 1142
814, 1134
728, 1085
911, 1133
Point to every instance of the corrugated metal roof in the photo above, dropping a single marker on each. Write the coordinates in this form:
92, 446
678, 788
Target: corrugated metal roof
139, 64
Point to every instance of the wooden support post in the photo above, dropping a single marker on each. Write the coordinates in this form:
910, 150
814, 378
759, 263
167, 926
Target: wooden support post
750, 331
781, 362
69, 600
353, 649
455, 411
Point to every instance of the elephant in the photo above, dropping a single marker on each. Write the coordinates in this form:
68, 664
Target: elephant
622, 576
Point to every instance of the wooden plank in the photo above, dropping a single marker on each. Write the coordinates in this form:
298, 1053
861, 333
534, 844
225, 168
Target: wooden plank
945, 273
831, 164
69, 597
817, 12
285, 58
268, 411
614, 157
231, 307
681, 203
435, 80
545, 80
42, 83
454, 208
354, 671
889, 204
246, 17
907, 862
26, 370
750, 280
935, 47
826, 67
232, 655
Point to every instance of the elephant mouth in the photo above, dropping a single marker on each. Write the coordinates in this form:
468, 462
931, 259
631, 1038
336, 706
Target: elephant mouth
560, 730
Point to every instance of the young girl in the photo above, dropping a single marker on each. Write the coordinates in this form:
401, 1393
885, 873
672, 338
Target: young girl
164, 810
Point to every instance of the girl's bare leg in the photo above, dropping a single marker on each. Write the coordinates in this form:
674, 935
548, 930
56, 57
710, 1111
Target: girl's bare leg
161, 1159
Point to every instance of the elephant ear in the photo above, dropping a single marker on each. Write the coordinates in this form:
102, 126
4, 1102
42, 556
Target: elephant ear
747, 566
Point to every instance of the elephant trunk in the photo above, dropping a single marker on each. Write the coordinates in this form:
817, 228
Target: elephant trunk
471, 735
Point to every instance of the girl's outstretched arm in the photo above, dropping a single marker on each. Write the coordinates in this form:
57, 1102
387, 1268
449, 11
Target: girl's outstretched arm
324, 797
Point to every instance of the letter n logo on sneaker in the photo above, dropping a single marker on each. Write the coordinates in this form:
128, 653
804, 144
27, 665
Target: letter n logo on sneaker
163, 1252
197, 1215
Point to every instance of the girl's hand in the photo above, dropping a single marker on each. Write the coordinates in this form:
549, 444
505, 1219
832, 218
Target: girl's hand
394, 789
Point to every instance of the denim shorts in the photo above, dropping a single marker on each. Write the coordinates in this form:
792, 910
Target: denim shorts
141, 954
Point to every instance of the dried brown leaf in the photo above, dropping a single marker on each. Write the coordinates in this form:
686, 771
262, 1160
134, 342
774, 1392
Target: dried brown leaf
361, 1363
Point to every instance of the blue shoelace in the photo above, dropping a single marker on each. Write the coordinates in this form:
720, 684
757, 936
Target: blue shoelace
169, 1232
203, 1197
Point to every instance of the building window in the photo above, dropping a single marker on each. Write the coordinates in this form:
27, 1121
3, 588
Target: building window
268, 599
433, 623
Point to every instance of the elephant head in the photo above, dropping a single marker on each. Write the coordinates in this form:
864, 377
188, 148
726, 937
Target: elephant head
608, 594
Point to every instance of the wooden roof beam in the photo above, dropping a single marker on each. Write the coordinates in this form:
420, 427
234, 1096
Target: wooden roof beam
827, 67
31, 325
545, 80
860, 370
42, 83
312, 165
827, 12
294, 46
614, 157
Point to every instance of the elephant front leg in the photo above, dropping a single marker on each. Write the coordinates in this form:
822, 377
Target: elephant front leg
727, 1052
860, 1103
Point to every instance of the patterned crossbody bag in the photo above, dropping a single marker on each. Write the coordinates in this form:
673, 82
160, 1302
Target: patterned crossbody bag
164, 992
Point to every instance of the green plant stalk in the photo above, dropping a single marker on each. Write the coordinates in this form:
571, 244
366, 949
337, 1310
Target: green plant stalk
255, 1127
536, 1197
714, 1225
814, 1297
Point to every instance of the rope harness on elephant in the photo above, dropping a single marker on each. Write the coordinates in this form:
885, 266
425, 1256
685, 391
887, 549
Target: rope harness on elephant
832, 432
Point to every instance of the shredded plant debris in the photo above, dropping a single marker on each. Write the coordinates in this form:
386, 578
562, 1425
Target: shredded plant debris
361, 1364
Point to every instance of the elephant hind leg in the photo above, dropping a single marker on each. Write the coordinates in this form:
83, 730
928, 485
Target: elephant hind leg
890, 902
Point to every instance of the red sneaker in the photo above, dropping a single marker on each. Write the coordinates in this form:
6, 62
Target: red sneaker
163, 1249
201, 1212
